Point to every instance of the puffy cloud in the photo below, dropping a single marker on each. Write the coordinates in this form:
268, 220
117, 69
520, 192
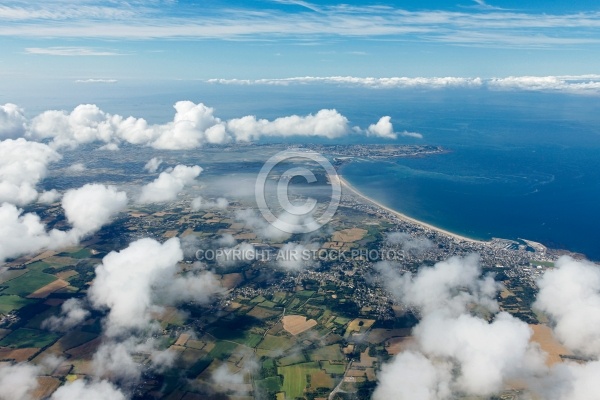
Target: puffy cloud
114, 360
450, 285
199, 203
138, 280
383, 128
483, 356
80, 389
413, 376
199, 287
13, 123
109, 147
168, 184
87, 209
49, 197
570, 381
488, 354
76, 168
90, 207
72, 313
18, 381
85, 124
22, 165
570, 295
325, 123
153, 164
125, 281
193, 126
24, 234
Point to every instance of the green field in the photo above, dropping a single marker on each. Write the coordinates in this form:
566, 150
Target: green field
549, 264
242, 337
271, 384
257, 299
76, 338
222, 350
79, 254
336, 369
292, 359
331, 353
341, 320
11, 274
12, 302
294, 378
28, 283
23, 337
268, 304
37, 320
275, 343
38, 266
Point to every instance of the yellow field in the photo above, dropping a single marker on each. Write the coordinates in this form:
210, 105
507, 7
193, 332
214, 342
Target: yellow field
544, 336
359, 325
19, 355
46, 386
182, 340
52, 287
296, 324
349, 235
229, 281
321, 379
66, 274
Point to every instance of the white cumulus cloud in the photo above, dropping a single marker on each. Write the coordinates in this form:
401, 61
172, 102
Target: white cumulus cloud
168, 184
92, 206
23, 164
13, 123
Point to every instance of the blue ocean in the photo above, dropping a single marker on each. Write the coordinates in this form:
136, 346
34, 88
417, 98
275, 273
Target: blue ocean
518, 164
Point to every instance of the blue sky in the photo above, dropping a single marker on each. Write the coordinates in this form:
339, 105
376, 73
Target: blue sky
150, 40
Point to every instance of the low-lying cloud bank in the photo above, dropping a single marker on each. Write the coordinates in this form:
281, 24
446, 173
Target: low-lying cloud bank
582, 84
465, 347
192, 126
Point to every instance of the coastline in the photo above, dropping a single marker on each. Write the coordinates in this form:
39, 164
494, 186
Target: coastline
345, 184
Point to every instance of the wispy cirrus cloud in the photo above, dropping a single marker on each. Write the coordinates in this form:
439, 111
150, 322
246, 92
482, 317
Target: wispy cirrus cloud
70, 51
96, 80
21, 11
483, 25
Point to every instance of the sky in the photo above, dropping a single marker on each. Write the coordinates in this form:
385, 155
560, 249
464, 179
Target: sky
111, 41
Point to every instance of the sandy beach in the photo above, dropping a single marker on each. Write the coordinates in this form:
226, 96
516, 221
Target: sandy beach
346, 185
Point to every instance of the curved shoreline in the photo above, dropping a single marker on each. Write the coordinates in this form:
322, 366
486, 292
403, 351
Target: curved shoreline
405, 217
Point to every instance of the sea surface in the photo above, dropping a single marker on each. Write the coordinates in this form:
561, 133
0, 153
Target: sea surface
525, 167
519, 164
